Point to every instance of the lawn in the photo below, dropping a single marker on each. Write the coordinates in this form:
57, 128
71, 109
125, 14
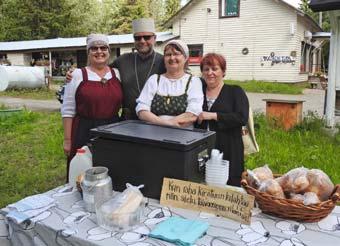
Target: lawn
32, 159
31, 155
269, 87
249, 86
43, 93
39, 93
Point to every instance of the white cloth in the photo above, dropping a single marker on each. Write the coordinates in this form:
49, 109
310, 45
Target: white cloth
68, 109
167, 87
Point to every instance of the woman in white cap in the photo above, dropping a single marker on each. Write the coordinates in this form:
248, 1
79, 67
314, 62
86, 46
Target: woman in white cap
174, 98
92, 98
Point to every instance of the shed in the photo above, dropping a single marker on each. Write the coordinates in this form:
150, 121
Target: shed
60, 53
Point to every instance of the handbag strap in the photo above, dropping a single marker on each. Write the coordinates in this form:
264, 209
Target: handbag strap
250, 126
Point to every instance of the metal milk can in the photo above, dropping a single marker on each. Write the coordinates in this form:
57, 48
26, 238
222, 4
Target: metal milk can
97, 187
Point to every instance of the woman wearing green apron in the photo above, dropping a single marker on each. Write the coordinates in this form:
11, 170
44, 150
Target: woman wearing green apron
174, 98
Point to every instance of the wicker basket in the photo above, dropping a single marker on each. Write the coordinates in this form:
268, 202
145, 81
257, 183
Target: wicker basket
290, 209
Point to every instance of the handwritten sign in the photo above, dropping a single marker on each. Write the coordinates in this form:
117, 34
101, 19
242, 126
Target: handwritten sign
225, 202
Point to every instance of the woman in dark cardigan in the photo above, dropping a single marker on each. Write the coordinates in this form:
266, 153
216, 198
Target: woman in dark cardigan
225, 111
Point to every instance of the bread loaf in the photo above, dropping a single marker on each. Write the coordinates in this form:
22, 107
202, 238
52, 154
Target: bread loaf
320, 184
272, 187
295, 181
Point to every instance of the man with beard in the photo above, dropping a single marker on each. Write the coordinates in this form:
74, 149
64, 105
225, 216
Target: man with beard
136, 67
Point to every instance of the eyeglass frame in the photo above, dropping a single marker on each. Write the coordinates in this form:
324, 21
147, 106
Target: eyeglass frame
102, 48
138, 38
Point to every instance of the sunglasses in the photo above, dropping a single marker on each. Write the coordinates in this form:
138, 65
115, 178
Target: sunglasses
145, 37
101, 48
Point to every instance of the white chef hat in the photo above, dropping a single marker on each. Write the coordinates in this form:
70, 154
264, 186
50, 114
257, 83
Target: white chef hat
143, 25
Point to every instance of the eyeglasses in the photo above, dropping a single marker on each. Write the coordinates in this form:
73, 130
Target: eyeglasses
173, 54
145, 37
101, 48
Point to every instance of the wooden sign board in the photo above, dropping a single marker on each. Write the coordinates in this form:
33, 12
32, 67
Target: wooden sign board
225, 202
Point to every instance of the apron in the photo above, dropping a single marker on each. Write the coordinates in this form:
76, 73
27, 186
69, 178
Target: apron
170, 105
97, 104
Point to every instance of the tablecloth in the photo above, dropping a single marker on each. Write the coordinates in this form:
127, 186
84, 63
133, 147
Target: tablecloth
68, 223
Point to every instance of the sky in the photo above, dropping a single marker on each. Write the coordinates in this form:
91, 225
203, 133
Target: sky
295, 3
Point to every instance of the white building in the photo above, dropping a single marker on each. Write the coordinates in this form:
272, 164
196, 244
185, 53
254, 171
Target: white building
261, 39
59, 53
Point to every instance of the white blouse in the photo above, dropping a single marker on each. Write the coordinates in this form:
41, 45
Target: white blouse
169, 87
68, 109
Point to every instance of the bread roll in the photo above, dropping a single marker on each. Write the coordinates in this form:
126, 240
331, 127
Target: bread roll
272, 187
295, 181
320, 184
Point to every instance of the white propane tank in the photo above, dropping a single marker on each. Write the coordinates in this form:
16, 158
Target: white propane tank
21, 77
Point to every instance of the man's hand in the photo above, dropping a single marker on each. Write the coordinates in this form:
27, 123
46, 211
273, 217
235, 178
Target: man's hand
69, 75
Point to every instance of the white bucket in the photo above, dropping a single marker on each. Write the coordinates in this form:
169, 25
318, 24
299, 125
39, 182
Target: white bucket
21, 77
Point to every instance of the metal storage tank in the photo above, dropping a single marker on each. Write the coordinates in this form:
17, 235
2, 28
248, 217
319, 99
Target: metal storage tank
21, 77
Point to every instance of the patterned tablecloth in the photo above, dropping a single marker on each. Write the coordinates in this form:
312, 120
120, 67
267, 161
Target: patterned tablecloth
69, 224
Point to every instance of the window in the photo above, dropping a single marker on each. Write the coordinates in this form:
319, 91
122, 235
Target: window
195, 53
229, 8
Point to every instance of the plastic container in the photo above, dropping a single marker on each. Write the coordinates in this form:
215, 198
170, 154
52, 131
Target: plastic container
123, 211
81, 162
137, 152
121, 222
216, 169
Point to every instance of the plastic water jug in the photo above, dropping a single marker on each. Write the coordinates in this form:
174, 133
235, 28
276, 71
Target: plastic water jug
81, 162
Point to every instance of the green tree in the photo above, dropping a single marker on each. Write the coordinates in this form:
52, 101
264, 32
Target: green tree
127, 10
108, 9
171, 8
42, 19
83, 17
304, 6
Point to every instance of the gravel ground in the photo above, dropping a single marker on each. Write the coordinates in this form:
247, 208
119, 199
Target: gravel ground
313, 101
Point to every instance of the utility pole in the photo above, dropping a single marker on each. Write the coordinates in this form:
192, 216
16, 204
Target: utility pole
334, 67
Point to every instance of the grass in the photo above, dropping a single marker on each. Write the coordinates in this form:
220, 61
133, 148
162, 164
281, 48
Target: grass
305, 145
269, 87
39, 93
31, 155
32, 159
249, 86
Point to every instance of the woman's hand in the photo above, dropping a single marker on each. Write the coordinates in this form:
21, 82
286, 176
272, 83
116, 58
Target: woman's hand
206, 116
172, 122
67, 146
69, 75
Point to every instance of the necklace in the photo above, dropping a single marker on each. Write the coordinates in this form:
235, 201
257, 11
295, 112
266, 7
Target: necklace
147, 75
100, 74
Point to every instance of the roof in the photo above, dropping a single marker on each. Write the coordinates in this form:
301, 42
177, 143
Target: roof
321, 35
324, 5
186, 6
58, 43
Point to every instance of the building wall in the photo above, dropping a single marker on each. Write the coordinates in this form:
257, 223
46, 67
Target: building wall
264, 26
16, 58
